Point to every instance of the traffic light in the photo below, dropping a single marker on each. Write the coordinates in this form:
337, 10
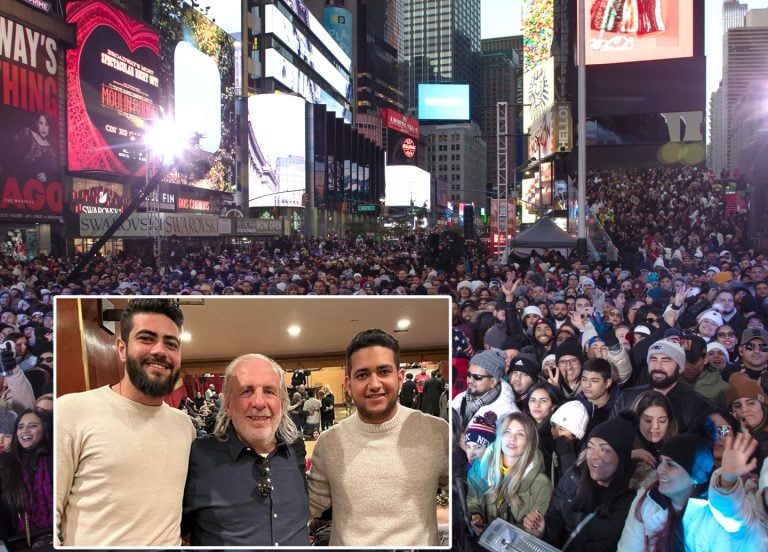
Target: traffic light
469, 221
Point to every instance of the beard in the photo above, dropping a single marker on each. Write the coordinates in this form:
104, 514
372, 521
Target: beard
666, 382
559, 317
152, 387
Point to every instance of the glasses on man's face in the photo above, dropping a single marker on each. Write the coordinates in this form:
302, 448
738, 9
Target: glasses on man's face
568, 362
726, 334
477, 377
613, 313
262, 476
651, 319
762, 347
46, 359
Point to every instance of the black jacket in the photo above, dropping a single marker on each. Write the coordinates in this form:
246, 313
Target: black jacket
601, 534
688, 406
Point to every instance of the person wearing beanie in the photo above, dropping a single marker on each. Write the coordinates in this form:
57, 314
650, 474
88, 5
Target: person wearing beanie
748, 403
479, 435
568, 379
673, 512
486, 389
753, 353
524, 371
707, 323
7, 422
599, 391
509, 480
666, 361
542, 338
595, 488
568, 427
531, 314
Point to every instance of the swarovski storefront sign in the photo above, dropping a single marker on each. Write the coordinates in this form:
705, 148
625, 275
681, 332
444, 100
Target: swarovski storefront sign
137, 225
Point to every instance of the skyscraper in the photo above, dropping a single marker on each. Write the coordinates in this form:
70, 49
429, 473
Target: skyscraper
733, 14
442, 45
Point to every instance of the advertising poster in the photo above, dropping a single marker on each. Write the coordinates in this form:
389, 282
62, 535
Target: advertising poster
640, 30
90, 196
198, 58
113, 85
30, 178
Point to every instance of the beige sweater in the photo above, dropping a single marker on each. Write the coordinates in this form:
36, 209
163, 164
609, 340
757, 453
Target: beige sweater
381, 479
120, 470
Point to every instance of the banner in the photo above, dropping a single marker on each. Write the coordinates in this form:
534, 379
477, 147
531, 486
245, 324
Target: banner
137, 225
30, 176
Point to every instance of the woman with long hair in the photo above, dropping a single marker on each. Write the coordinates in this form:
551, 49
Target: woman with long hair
656, 424
26, 474
673, 513
509, 481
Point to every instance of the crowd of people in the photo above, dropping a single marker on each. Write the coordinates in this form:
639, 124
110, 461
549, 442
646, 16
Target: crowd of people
579, 390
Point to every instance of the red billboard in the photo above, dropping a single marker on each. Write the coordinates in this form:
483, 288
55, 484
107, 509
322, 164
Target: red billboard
30, 176
399, 122
113, 89
638, 31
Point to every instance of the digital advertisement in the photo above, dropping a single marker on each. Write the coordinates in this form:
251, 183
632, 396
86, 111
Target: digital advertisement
444, 102
30, 179
113, 85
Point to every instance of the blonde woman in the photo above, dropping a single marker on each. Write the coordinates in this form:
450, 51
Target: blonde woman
509, 481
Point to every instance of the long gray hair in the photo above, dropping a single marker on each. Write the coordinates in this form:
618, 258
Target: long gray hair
287, 430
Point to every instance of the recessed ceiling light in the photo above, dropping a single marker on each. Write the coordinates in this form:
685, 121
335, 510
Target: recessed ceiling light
186, 337
403, 324
294, 330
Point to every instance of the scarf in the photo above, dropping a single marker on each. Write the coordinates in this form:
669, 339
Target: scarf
471, 404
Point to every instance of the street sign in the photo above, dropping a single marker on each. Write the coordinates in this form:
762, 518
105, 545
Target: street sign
366, 208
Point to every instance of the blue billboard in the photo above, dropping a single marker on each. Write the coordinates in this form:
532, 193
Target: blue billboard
443, 102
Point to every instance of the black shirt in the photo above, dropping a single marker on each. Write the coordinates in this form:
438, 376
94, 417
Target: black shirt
222, 506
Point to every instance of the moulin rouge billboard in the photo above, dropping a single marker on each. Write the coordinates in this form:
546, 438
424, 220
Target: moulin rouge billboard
30, 175
113, 89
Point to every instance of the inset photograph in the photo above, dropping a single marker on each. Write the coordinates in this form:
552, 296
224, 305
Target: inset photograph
256, 422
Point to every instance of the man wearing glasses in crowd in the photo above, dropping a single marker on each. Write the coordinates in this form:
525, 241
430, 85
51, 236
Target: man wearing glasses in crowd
246, 483
754, 357
486, 390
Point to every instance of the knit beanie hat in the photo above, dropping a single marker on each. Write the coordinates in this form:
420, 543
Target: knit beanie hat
669, 348
526, 364
7, 421
717, 345
547, 358
741, 386
481, 430
491, 361
496, 335
543, 322
692, 452
619, 433
569, 347
573, 416
712, 316
532, 309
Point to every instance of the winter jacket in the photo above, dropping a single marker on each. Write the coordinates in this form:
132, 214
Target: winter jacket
535, 493
503, 405
720, 524
687, 405
600, 534
598, 415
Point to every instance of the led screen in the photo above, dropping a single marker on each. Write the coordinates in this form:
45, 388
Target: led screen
538, 63
645, 30
199, 96
30, 179
277, 173
529, 201
444, 102
406, 185
113, 85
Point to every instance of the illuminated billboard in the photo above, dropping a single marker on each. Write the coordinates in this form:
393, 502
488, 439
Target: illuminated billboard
406, 185
113, 87
277, 174
622, 32
443, 102
90, 196
198, 59
30, 177
529, 201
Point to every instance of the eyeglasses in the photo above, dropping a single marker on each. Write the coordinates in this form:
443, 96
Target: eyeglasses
722, 430
46, 359
477, 377
262, 476
613, 313
763, 348
651, 319
569, 362
726, 334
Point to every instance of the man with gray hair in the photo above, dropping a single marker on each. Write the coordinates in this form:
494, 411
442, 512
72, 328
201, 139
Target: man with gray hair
246, 484
486, 390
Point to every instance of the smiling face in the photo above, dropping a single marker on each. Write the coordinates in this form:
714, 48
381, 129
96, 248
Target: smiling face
152, 355
373, 381
727, 336
748, 411
513, 442
663, 370
602, 461
253, 403
674, 481
29, 431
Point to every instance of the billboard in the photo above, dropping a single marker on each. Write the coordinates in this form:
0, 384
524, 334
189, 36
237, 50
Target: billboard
399, 122
621, 32
406, 185
277, 172
90, 196
444, 102
507, 209
538, 62
30, 175
113, 89
338, 22
198, 59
